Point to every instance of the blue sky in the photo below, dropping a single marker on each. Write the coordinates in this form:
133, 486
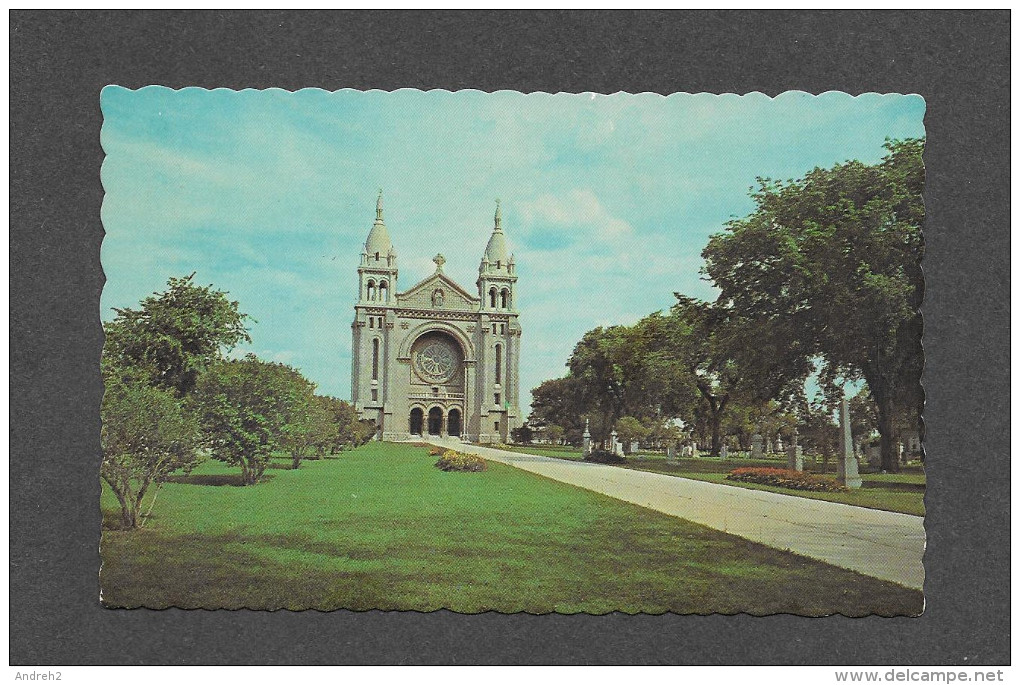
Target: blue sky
607, 200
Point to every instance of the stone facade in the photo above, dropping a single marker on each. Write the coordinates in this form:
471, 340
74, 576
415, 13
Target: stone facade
436, 358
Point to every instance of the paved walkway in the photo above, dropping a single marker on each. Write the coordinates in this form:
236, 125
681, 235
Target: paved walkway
882, 544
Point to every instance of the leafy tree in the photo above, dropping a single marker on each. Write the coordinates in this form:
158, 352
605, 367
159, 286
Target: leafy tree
147, 434
863, 415
818, 430
309, 425
247, 411
345, 431
523, 434
174, 335
556, 402
554, 433
833, 260
630, 429
599, 364
637, 371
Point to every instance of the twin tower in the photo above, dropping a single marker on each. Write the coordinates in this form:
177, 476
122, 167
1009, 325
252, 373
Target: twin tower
436, 359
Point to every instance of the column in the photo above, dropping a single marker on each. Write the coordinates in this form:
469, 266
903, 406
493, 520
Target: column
847, 465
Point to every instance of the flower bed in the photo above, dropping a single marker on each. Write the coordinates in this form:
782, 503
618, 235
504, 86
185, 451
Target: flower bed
458, 461
782, 478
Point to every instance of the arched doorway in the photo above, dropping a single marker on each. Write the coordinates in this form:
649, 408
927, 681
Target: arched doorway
435, 421
453, 423
417, 421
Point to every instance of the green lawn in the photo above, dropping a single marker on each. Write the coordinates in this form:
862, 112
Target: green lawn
381, 528
902, 492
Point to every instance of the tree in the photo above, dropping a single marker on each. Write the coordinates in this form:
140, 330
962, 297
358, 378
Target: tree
863, 416
174, 335
555, 402
818, 430
833, 260
629, 430
633, 371
523, 434
309, 425
345, 433
247, 409
554, 433
146, 435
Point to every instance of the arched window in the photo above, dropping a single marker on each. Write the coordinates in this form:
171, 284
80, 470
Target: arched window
492, 297
375, 359
504, 299
499, 363
384, 291
370, 290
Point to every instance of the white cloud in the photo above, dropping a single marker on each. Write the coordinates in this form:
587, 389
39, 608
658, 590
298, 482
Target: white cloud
576, 211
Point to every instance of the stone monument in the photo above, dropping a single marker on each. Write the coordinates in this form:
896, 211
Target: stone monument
756, 446
586, 438
846, 472
724, 452
617, 445
794, 455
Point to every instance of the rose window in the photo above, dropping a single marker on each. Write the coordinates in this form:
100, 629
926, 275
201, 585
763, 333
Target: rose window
436, 362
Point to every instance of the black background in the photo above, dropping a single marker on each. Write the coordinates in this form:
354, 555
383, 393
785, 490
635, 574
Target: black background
59, 63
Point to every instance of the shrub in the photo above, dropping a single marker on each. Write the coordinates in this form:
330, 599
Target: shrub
605, 457
782, 478
499, 446
458, 461
436, 450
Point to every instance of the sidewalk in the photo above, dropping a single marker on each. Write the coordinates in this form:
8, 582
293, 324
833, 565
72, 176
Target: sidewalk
882, 544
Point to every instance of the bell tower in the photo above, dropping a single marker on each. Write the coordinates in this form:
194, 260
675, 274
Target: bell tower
499, 343
373, 322
377, 273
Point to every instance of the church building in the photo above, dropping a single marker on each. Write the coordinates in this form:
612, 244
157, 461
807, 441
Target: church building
436, 358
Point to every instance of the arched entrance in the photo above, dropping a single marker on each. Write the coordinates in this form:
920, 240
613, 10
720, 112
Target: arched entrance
435, 421
453, 423
417, 421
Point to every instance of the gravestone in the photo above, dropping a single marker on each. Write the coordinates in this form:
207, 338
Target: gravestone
724, 452
794, 455
779, 444
756, 446
846, 468
586, 438
634, 446
670, 452
874, 455
617, 445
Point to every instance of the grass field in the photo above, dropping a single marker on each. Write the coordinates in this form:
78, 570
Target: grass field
902, 492
381, 528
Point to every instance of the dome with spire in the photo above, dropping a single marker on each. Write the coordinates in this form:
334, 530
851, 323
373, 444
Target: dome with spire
496, 252
378, 245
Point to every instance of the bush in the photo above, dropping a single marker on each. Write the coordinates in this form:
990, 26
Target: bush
793, 480
458, 461
499, 446
605, 457
436, 450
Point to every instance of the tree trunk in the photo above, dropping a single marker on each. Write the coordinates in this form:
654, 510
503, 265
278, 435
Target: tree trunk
887, 438
295, 460
716, 421
127, 512
247, 474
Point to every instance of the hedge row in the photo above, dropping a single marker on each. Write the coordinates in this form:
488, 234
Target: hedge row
782, 478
